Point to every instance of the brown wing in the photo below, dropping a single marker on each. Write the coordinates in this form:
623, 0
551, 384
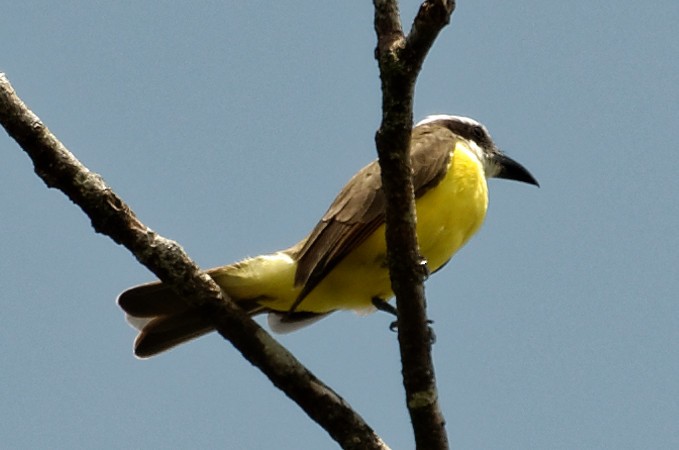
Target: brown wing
358, 210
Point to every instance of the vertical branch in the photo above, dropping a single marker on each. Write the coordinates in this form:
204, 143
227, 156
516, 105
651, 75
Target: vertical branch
400, 59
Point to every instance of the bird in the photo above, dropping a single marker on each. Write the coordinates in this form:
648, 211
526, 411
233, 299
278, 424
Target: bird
342, 263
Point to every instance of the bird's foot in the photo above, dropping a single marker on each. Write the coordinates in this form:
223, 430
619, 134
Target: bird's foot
381, 305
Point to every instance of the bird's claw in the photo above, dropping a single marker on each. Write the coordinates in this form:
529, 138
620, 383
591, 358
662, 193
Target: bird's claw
393, 327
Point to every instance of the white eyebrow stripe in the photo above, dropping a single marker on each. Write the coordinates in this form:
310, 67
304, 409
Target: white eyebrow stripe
437, 117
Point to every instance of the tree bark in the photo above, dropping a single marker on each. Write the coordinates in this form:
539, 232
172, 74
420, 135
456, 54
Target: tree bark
400, 59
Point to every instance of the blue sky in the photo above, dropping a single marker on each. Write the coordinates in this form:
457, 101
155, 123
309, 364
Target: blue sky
231, 126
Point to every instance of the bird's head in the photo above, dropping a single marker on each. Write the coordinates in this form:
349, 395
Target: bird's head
495, 163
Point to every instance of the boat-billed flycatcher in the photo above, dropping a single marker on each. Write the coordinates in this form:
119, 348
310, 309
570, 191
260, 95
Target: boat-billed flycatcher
342, 264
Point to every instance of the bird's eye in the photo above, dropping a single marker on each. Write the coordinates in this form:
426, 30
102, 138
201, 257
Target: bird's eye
478, 133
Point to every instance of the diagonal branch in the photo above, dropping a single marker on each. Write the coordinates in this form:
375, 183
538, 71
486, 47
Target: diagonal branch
111, 216
400, 59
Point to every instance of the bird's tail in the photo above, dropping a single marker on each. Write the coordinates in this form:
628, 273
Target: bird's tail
262, 284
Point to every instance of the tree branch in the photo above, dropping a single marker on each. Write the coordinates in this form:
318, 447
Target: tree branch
59, 169
400, 59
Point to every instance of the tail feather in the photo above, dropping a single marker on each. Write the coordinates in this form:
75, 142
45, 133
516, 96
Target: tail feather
151, 300
166, 320
163, 333
162, 317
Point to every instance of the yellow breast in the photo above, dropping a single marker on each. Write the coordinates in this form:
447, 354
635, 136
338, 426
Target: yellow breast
450, 214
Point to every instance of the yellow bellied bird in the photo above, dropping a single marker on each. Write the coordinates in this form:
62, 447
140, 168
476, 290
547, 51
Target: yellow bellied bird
341, 264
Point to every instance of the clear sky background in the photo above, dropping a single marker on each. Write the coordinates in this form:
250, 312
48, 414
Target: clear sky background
230, 127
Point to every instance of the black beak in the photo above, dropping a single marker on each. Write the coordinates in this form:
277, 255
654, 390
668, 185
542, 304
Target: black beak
512, 170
